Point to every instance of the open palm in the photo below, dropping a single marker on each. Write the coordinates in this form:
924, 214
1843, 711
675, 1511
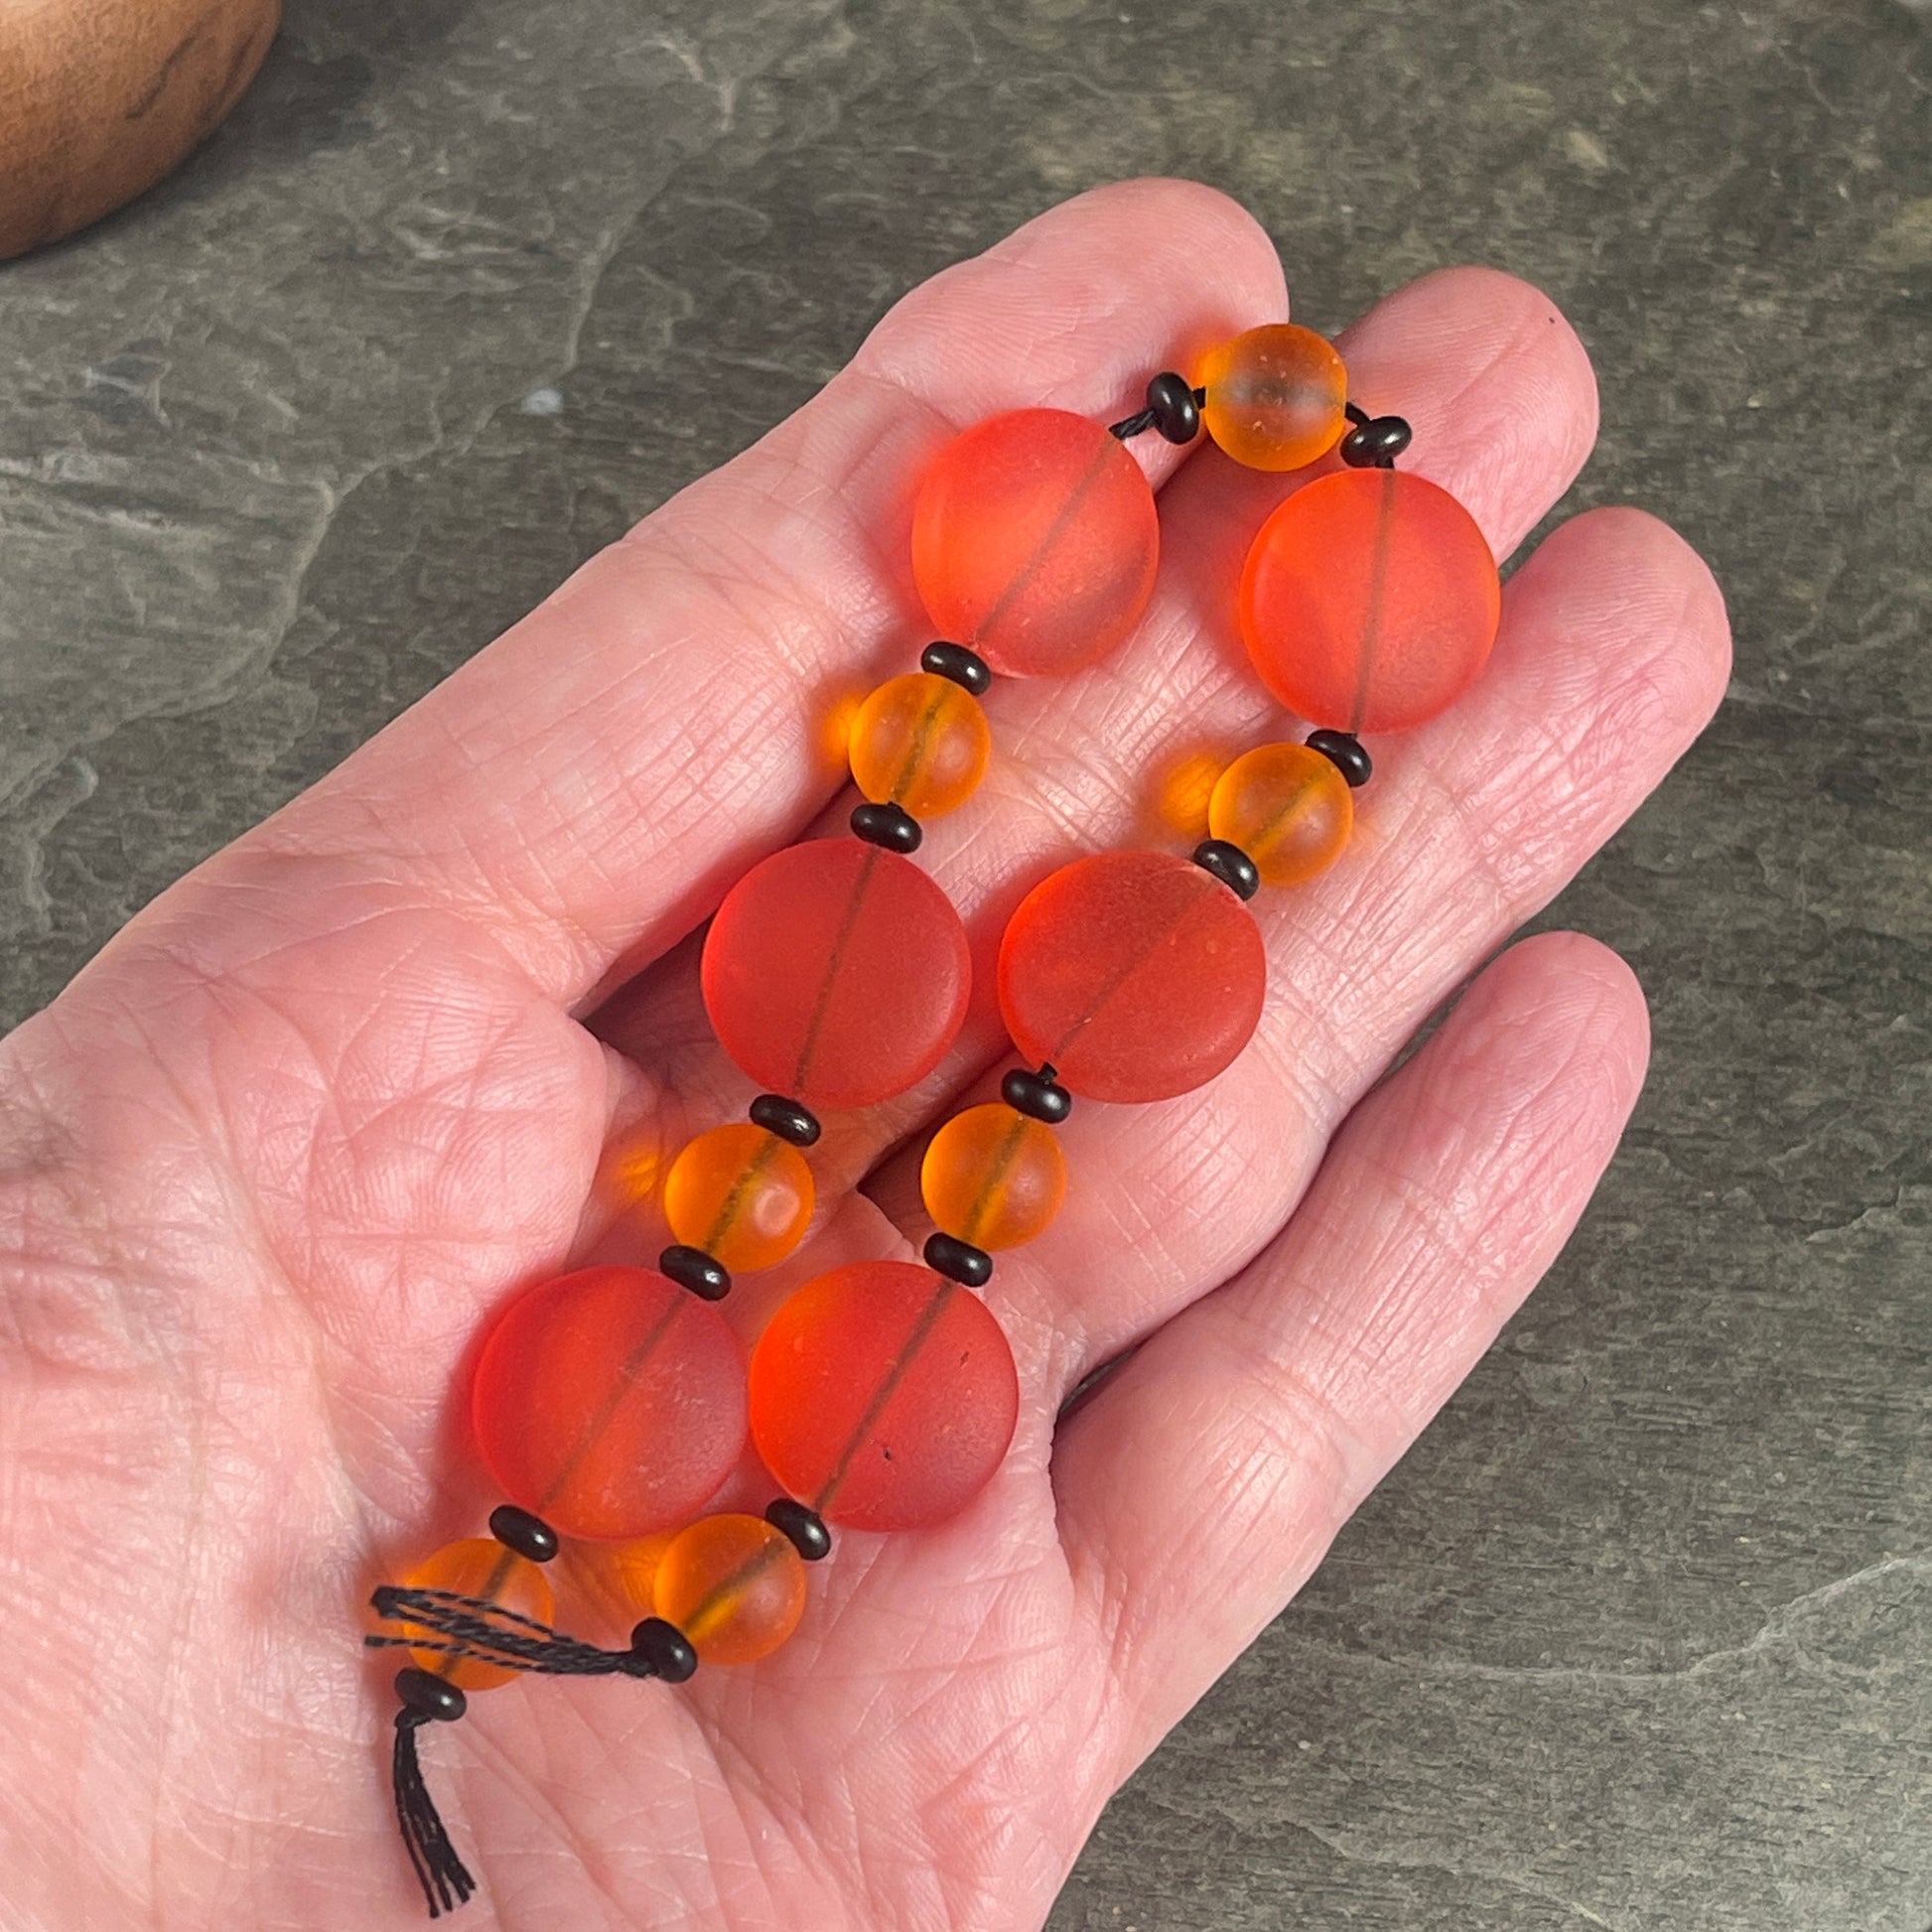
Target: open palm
268, 1163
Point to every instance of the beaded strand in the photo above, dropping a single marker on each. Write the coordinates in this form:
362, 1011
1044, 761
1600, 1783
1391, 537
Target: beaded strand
611, 1404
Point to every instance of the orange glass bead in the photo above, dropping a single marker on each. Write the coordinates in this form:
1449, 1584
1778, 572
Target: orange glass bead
483, 1568
1369, 601
1275, 397
836, 973
1035, 540
741, 1195
993, 1176
921, 741
884, 1395
1138, 974
612, 1581
609, 1401
734, 1584
1286, 807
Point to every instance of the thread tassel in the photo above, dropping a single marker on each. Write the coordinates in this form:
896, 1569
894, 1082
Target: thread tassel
443, 1877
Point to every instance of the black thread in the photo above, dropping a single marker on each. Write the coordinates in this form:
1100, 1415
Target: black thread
471, 1626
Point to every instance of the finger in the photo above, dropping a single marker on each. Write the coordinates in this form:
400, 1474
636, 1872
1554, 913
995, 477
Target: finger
1080, 761
586, 787
1201, 1482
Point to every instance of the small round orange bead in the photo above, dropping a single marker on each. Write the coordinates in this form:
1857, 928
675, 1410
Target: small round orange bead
993, 1176
734, 1584
613, 1579
741, 1195
479, 1567
1286, 807
1275, 397
921, 741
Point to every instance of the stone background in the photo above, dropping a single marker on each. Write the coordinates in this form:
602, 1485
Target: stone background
1640, 1638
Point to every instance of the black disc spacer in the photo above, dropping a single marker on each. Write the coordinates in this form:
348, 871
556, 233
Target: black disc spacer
958, 1261
1230, 864
891, 826
1037, 1095
692, 1267
665, 1648
1376, 443
965, 668
1175, 404
1346, 753
429, 1696
529, 1536
804, 1528
790, 1119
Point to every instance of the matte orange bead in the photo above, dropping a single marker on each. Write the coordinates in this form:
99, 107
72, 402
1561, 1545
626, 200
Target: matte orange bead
993, 1176
609, 1401
1369, 601
741, 1195
612, 1581
1138, 974
1286, 807
734, 1584
884, 1395
836, 973
483, 1568
1275, 396
921, 741
1035, 540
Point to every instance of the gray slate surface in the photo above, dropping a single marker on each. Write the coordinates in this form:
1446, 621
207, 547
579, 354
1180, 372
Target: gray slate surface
1639, 1636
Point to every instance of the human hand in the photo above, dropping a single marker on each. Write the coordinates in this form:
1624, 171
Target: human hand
268, 1163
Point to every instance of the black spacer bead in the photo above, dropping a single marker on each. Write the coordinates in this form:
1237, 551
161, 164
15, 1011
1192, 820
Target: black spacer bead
1175, 404
1036, 1095
1375, 443
529, 1536
430, 1696
790, 1119
692, 1267
665, 1648
888, 825
958, 1261
965, 668
1230, 864
1346, 751
804, 1528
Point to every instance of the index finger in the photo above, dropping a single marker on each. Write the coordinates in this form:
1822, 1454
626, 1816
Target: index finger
588, 787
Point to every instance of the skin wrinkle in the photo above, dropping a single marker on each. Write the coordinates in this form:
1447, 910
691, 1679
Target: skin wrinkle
509, 1771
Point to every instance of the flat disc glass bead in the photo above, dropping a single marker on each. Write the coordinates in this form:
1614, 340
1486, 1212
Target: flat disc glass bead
836, 973
1138, 974
921, 742
1275, 396
1286, 807
609, 1401
1035, 540
884, 1395
1369, 601
482, 1567
734, 1584
741, 1195
993, 1176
